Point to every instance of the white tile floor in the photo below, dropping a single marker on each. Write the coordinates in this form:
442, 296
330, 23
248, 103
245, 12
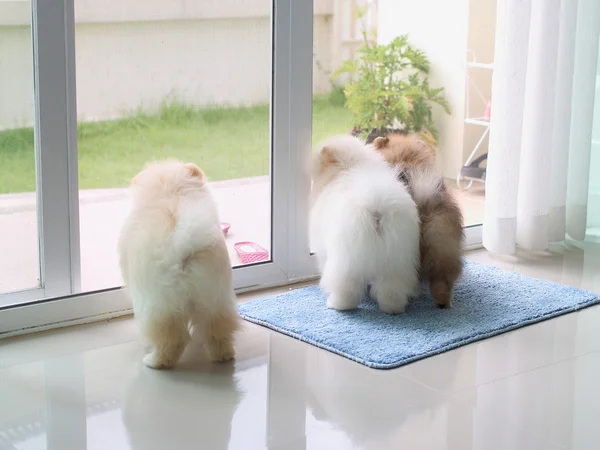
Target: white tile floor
534, 388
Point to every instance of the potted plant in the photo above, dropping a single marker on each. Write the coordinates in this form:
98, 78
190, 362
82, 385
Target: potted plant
388, 90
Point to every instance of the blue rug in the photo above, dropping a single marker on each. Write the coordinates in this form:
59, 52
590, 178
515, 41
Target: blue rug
487, 301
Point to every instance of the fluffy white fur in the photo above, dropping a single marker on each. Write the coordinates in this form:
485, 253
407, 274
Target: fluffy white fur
175, 262
425, 184
364, 227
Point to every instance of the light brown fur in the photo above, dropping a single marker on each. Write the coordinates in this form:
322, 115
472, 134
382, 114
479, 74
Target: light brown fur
405, 151
329, 164
441, 219
174, 259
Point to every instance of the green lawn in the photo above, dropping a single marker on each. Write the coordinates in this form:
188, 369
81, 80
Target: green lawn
226, 142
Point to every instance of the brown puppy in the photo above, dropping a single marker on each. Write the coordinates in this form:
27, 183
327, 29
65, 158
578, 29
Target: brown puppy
441, 219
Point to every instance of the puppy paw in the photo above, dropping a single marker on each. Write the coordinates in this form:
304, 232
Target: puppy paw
392, 309
443, 304
221, 352
153, 361
442, 294
224, 357
340, 304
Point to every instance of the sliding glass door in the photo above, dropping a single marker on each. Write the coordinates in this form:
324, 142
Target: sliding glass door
112, 88
193, 84
39, 239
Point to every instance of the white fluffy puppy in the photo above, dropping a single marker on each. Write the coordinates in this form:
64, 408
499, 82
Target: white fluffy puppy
175, 262
364, 227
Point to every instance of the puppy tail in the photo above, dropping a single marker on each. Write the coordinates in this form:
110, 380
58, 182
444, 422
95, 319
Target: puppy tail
427, 187
203, 235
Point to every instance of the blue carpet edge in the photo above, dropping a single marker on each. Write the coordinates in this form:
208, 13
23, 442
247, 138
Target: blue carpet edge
593, 300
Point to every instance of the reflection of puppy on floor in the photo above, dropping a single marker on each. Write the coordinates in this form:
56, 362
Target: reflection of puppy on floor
364, 227
441, 219
181, 409
381, 415
175, 262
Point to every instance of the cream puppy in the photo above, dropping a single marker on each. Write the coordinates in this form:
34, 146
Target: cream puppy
175, 263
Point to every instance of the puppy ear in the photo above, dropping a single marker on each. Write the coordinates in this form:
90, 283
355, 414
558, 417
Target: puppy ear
328, 157
421, 145
194, 170
381, 142
424, 147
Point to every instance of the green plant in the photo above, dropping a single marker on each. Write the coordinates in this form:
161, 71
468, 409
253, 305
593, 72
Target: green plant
389, 88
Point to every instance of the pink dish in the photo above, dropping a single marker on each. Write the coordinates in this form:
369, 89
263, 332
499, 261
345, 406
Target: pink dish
249, 252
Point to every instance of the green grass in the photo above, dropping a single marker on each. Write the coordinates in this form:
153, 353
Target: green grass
226, 142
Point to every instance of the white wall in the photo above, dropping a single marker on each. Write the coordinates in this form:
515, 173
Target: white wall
137, 53
438, 27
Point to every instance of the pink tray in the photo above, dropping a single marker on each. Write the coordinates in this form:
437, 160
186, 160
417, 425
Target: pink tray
249, 252
225, 227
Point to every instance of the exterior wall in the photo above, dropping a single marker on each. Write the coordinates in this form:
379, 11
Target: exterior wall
135, 54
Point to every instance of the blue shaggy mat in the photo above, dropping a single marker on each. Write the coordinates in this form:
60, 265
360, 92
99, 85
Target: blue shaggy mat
487, 301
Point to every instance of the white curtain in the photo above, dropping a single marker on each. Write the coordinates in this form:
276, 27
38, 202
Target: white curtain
543, 89
593, 230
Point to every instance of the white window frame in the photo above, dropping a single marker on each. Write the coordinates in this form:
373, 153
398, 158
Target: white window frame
62, 303
473, 237
55, 152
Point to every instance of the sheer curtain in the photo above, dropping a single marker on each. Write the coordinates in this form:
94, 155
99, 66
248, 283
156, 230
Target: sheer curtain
543, 91
594, 195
